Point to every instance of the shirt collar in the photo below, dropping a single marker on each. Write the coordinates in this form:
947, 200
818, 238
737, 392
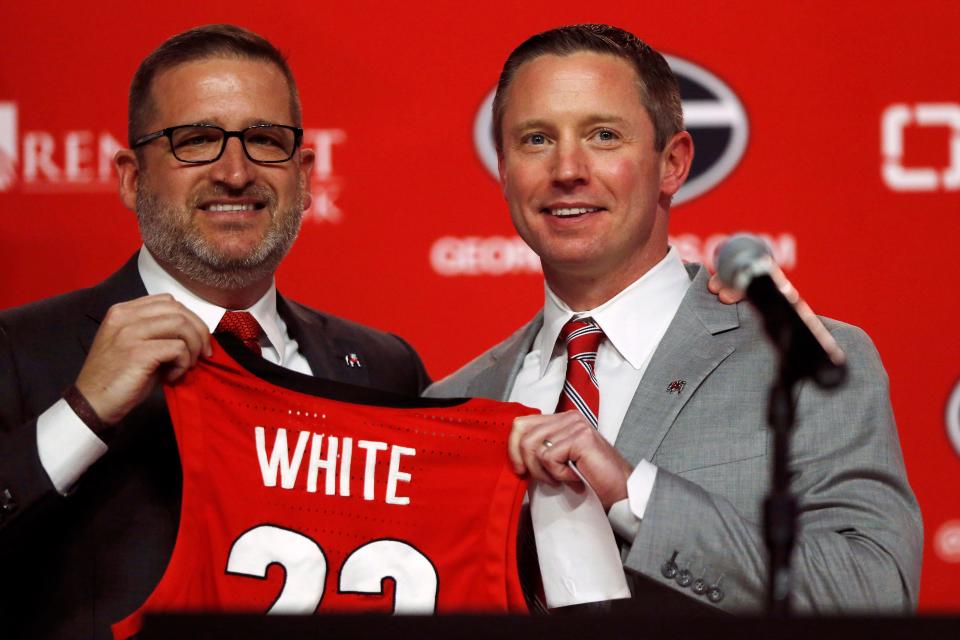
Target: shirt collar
633, 321
157, 280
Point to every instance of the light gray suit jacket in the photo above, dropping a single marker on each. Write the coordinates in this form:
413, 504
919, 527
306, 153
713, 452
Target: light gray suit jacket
861, 535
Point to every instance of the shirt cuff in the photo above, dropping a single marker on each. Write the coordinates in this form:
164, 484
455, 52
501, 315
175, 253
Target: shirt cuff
624, 523
67, 447
625, 515
640, 487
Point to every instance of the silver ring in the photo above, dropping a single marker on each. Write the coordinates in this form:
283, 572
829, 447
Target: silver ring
547, 443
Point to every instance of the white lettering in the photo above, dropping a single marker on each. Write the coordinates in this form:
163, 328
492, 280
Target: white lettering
692, 248
329, 464
324, 185
279, 457
338, 453
87, 159
394, 475
9, 144
323, 202
322, 141
496, 255
106, 149
345, 458
76, 155
370, 468
38, 149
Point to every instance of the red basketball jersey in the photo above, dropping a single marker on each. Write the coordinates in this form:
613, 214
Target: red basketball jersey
303, 495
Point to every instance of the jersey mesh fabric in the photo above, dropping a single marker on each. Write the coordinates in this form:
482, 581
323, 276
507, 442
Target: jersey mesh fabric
460, 517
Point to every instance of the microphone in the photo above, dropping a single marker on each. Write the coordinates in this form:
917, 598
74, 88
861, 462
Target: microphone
744, 263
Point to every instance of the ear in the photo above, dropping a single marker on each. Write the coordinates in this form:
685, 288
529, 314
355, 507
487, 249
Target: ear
307, 158
675, 161
128, 171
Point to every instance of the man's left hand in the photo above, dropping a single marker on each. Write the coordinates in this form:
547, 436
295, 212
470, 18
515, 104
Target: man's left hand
541, 445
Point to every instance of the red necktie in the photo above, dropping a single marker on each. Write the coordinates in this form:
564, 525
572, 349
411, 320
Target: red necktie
581, 392
580, 389
244, 326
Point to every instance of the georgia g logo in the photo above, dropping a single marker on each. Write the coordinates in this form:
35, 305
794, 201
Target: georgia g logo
712, 113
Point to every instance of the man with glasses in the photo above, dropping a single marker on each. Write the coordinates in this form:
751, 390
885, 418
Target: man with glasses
90, 479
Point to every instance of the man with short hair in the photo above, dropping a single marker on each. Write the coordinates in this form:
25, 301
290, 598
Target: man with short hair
90, 480
665, 385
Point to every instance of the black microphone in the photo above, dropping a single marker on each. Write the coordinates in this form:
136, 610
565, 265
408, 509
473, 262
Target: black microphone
744, 263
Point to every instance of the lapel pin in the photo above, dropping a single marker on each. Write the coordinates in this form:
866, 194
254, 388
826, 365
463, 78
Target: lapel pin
676, 386
352, 360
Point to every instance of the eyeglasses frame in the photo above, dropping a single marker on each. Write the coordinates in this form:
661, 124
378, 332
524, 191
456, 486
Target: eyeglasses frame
238, 134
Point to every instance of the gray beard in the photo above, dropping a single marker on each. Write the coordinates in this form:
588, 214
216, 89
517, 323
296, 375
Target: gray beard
168, 234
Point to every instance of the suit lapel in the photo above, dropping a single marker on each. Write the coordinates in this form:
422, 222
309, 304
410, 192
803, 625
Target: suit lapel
325, 347
496, 380
309, 330
691, 348
125, 284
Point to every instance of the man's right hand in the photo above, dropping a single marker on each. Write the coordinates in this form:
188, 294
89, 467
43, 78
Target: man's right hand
542, 445
138, 343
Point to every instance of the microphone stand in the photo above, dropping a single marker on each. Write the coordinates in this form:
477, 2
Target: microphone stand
801, 357
780, 505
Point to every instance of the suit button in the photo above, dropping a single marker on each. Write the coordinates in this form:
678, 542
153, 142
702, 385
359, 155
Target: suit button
7, 504
715, 594
684, 578
699, 586
669, 568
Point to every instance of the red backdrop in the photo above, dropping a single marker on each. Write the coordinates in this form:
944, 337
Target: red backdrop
851, 166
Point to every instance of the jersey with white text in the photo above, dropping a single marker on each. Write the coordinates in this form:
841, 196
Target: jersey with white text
303, 495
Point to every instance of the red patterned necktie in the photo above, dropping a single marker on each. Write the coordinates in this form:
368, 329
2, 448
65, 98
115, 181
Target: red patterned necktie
580, 389
581, 392
243, 325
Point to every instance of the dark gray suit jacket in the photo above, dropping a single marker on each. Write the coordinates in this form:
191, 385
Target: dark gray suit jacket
861, 540
71, 566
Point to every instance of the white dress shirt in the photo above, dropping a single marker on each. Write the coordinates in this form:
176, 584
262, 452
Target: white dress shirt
633, 322
67, 447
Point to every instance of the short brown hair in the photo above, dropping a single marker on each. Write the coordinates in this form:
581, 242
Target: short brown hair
201, 43
659, 90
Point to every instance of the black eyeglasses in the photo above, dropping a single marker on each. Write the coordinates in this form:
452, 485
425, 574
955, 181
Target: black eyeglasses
199, 143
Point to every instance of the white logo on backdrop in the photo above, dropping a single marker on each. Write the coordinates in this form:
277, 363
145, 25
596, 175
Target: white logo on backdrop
75, 160
946, 542
953, 418
475, 256
693, 248
82, 161
721, 111
895, 119
498, 255
325, 185
8, 145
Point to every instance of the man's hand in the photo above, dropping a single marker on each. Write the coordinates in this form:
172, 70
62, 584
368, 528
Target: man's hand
727, 295
139, 343
542, 445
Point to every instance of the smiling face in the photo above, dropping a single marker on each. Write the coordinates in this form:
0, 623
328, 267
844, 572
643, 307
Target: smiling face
225, 224
586, 188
